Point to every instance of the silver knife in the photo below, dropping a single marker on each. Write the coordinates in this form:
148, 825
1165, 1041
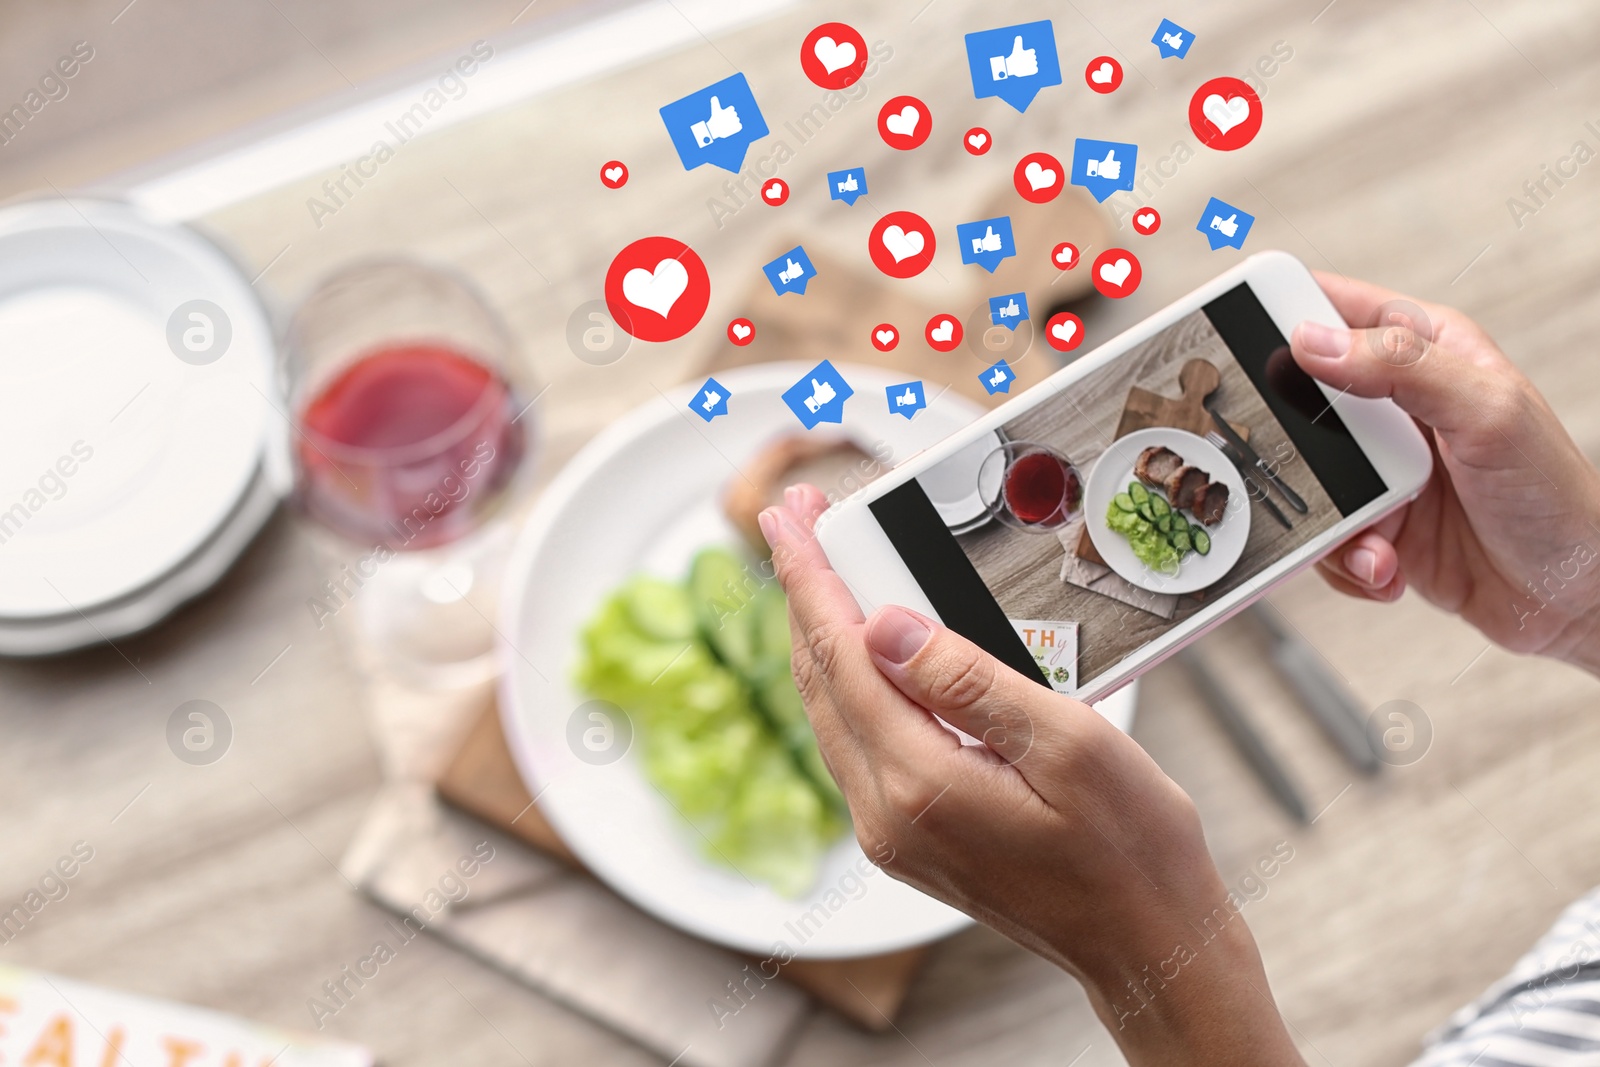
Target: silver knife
1250, 456
1328, 701
1250, 744
1251, 478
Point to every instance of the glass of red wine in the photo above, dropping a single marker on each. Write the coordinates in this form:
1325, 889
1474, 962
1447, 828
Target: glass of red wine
1031, 486
413, 435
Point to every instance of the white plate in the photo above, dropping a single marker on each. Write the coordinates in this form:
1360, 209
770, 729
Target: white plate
87, 289
1111, 475
145, 607
643, 496
952, 486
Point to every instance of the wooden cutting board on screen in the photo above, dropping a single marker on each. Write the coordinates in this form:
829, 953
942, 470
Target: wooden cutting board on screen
1197, 380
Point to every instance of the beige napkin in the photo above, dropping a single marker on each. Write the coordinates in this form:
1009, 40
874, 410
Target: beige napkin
1098, 578
564, 934
533, 917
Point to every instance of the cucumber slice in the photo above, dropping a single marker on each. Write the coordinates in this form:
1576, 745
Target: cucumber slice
721, 590
1159, 505
1145, 513
1202, 540
1164, 523
1179, 523
660, 610
773, 646
1138, 492
1180, 541
1124, 502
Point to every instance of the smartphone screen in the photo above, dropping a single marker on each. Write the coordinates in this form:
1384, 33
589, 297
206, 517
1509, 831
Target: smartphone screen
1116, 509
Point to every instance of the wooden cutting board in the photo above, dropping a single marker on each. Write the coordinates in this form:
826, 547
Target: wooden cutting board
1197, 380
483, 781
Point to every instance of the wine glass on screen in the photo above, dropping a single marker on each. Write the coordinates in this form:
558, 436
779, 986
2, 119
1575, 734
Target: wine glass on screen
1031, 486
413, 435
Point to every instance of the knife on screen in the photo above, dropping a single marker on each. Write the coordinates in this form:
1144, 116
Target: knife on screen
1251, 477
1255, 460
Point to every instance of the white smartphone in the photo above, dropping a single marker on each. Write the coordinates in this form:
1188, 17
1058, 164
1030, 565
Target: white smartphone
1093, 525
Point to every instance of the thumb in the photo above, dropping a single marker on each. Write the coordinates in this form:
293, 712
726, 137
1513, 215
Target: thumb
1110, 156
716, 105
1016, 45
959, 682
1429, 381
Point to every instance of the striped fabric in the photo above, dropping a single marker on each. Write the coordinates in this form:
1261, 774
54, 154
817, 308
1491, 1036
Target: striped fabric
1545, 1013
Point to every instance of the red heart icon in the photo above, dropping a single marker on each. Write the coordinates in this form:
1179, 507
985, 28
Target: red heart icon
901, 244
1039, 177
943, 333
1103, 74
834, 55
657, 289
1064, 331
904, 123
1117, 273
1225, 113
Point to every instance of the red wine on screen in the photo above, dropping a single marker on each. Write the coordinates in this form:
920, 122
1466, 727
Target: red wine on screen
411, 445
1040, 489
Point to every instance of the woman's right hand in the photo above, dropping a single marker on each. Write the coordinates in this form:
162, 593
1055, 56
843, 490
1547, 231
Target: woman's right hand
1506, 532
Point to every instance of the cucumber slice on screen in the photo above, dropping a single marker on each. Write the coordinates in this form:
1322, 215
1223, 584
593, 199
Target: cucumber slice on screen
1159, 505
1202, 541
1138, 492
1124, 502
1179, 523
1164, 523
1145, 513
1180, 541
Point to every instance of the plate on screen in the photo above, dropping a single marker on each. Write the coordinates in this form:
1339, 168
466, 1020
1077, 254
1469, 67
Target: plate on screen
1113, 472
955, 485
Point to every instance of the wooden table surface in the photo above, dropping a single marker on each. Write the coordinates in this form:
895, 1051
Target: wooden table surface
1395, 134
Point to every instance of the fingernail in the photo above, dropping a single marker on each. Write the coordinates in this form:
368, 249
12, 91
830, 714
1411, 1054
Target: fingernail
1363, 563
1325, 342
896, 634
770, 523
791, 497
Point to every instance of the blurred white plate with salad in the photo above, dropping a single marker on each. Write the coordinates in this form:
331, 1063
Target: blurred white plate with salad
647, 695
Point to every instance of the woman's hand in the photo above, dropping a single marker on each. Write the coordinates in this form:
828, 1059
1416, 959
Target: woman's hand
1058, 831
1506, 533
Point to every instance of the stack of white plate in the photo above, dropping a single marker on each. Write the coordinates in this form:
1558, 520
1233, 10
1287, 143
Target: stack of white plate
142, 440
